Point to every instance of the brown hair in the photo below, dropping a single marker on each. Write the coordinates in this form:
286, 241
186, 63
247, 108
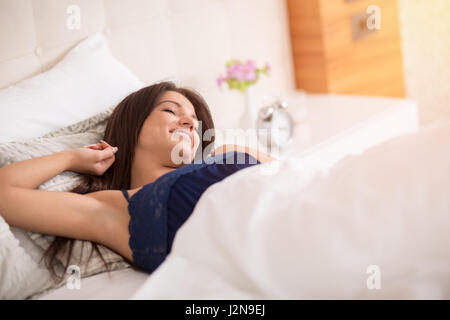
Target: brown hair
122, 130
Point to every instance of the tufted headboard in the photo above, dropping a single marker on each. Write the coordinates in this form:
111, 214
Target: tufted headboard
185, 41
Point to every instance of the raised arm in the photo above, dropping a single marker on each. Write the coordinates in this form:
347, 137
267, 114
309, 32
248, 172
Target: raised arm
53, 212
33, 172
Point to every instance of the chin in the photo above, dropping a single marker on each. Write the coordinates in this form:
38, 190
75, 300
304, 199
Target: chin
181, 156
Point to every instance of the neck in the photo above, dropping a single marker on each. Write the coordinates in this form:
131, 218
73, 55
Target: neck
146, 170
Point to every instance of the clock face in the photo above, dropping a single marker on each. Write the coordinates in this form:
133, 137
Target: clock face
279, 129
283, 124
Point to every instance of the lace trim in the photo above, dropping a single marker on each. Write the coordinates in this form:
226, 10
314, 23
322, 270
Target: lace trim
148, 226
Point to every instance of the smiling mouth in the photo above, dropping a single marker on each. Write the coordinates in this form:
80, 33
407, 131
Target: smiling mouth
185, 135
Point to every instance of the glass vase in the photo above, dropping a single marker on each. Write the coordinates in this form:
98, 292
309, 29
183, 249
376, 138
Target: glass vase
248, 117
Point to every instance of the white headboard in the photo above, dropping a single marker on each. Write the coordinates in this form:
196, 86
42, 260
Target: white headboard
188, 41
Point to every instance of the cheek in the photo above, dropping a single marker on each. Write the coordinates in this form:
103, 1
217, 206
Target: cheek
196, 141
153, 135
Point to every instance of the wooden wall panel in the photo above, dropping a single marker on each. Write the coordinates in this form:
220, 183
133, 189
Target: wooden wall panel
328, 60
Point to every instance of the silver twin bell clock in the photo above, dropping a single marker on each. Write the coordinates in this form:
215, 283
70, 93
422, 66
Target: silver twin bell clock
275, 126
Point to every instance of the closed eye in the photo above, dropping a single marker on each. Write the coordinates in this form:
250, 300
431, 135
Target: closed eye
196, 127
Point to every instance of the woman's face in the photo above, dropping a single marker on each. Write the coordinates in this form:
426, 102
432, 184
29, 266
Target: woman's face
169, 132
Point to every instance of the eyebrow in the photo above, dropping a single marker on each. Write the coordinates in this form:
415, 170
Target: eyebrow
178, 105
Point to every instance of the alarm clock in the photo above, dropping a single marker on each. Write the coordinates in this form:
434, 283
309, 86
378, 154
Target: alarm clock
275, 126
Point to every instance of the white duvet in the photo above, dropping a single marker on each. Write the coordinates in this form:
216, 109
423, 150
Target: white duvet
377, 225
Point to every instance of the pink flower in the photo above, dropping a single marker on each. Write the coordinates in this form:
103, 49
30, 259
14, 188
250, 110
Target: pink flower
220, 80
251, 76
231, 71
240, 75
250, 64
236, 71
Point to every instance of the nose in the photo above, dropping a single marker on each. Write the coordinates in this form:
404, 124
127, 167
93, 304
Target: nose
187, 121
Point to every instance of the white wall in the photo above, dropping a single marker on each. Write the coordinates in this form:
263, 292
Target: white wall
193, 39
190, 40
185, 40
425, 30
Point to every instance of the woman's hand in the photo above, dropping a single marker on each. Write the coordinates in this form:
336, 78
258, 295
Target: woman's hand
93, 159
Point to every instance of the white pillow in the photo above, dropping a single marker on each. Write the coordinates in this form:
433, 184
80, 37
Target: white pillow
20, 275
87, 81
33, 244
63, 108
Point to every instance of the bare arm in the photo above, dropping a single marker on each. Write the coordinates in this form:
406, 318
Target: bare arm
57, 213
257, 154
33, 172
51, 212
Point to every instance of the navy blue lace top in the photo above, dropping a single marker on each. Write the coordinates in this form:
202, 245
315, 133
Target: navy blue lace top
159, 208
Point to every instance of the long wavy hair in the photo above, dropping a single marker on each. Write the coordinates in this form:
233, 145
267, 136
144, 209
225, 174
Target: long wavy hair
122, 130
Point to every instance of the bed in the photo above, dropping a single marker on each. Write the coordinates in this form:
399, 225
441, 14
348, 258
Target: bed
348, 233
344, 231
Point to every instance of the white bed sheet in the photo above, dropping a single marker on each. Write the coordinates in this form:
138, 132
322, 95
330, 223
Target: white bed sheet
376, 226
306, 233
118, 285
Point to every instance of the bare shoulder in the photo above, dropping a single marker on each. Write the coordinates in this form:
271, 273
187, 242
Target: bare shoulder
115, 211
111, 196
114, 204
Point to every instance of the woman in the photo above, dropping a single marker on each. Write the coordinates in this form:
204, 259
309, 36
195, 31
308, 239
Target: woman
135, 192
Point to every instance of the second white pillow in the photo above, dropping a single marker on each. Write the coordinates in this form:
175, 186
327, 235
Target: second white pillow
87, 81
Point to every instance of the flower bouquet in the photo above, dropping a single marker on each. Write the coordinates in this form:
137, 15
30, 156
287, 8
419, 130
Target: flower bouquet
239, 76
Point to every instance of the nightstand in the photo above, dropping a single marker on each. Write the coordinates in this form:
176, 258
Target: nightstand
329, 127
